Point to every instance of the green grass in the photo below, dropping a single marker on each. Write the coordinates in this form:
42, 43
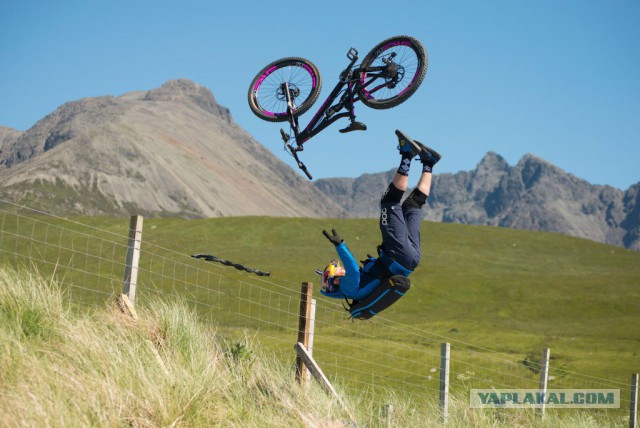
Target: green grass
483, 289
493, 287
99, 367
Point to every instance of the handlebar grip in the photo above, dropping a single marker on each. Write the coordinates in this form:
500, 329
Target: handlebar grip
295, 156
306, 171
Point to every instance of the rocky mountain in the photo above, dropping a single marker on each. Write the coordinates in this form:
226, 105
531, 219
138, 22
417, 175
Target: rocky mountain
170, 151
7, 135
533, 195
174, 151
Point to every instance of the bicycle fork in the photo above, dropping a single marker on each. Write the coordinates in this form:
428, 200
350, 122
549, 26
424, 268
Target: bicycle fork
293, 121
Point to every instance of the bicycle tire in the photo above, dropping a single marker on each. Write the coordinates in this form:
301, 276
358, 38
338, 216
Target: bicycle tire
413, 61
266, 98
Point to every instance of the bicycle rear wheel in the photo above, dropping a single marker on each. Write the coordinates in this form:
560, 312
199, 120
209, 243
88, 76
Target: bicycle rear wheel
267, 98
392, 72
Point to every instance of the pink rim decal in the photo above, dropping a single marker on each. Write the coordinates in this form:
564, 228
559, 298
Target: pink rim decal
382, 49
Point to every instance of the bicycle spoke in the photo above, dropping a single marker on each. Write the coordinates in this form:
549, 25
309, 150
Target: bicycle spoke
271, 96
408, 67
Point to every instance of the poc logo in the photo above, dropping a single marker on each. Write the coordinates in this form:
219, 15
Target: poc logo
383, 217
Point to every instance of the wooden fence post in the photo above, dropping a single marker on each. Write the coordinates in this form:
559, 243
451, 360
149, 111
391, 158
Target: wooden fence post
633, 408
388, 414
445, 357
312, 329
303, 329
317, 373
133, 257
544, 377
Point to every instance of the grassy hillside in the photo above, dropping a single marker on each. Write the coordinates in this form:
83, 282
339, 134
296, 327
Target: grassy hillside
504, 290
102, 368
497, 288
491, 285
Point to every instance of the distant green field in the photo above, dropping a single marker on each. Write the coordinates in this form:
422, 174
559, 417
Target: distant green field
492, 285
510, 291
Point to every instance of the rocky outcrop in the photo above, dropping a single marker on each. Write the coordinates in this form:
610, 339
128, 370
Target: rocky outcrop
533, 194
170, 151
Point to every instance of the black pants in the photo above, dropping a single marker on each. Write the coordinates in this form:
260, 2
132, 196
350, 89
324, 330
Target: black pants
400, 228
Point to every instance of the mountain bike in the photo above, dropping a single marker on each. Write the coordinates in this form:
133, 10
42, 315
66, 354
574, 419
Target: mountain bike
285, 89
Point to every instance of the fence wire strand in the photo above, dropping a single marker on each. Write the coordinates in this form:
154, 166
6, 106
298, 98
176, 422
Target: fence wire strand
359, 357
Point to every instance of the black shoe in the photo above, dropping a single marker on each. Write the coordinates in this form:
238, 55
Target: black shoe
428, 156
406, 146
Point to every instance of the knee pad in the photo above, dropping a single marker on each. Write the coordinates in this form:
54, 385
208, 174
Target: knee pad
415, 199
392, 195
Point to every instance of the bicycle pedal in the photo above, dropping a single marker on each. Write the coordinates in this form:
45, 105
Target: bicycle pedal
355, 126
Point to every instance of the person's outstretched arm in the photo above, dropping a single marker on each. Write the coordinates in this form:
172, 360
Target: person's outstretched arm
350, 283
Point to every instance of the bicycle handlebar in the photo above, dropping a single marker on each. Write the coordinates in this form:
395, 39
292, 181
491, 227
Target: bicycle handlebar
303, 167
294, 152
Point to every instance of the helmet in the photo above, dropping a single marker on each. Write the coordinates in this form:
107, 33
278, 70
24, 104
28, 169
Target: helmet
328, 275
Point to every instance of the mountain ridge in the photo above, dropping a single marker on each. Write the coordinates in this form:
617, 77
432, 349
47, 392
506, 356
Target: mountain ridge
173, 151
533, 194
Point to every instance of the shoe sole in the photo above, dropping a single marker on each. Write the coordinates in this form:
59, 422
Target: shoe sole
402, 136
434, 155
421, 147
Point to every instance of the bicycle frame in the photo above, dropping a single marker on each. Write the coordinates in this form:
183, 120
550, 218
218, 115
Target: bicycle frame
328, 113
318, 122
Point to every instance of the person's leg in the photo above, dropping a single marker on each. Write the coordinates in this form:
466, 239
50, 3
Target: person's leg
424, 184
392, 221
412, 206
400, 181
408, 150
412, 211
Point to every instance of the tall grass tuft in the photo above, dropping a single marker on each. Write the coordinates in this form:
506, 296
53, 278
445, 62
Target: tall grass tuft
65, 368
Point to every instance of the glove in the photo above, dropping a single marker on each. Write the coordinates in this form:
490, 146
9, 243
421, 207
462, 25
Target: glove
335, 238
367, 260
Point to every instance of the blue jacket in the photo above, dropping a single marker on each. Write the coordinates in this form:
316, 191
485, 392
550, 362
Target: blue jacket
359, 282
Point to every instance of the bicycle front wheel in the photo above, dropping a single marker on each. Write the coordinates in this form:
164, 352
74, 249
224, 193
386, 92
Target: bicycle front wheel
267, 98
392, 72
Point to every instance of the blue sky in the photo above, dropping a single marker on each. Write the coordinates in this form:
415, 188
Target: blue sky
557, 79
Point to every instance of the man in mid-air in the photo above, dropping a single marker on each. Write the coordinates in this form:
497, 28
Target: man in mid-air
399, 253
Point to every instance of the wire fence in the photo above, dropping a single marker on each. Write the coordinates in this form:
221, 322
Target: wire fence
368, 360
